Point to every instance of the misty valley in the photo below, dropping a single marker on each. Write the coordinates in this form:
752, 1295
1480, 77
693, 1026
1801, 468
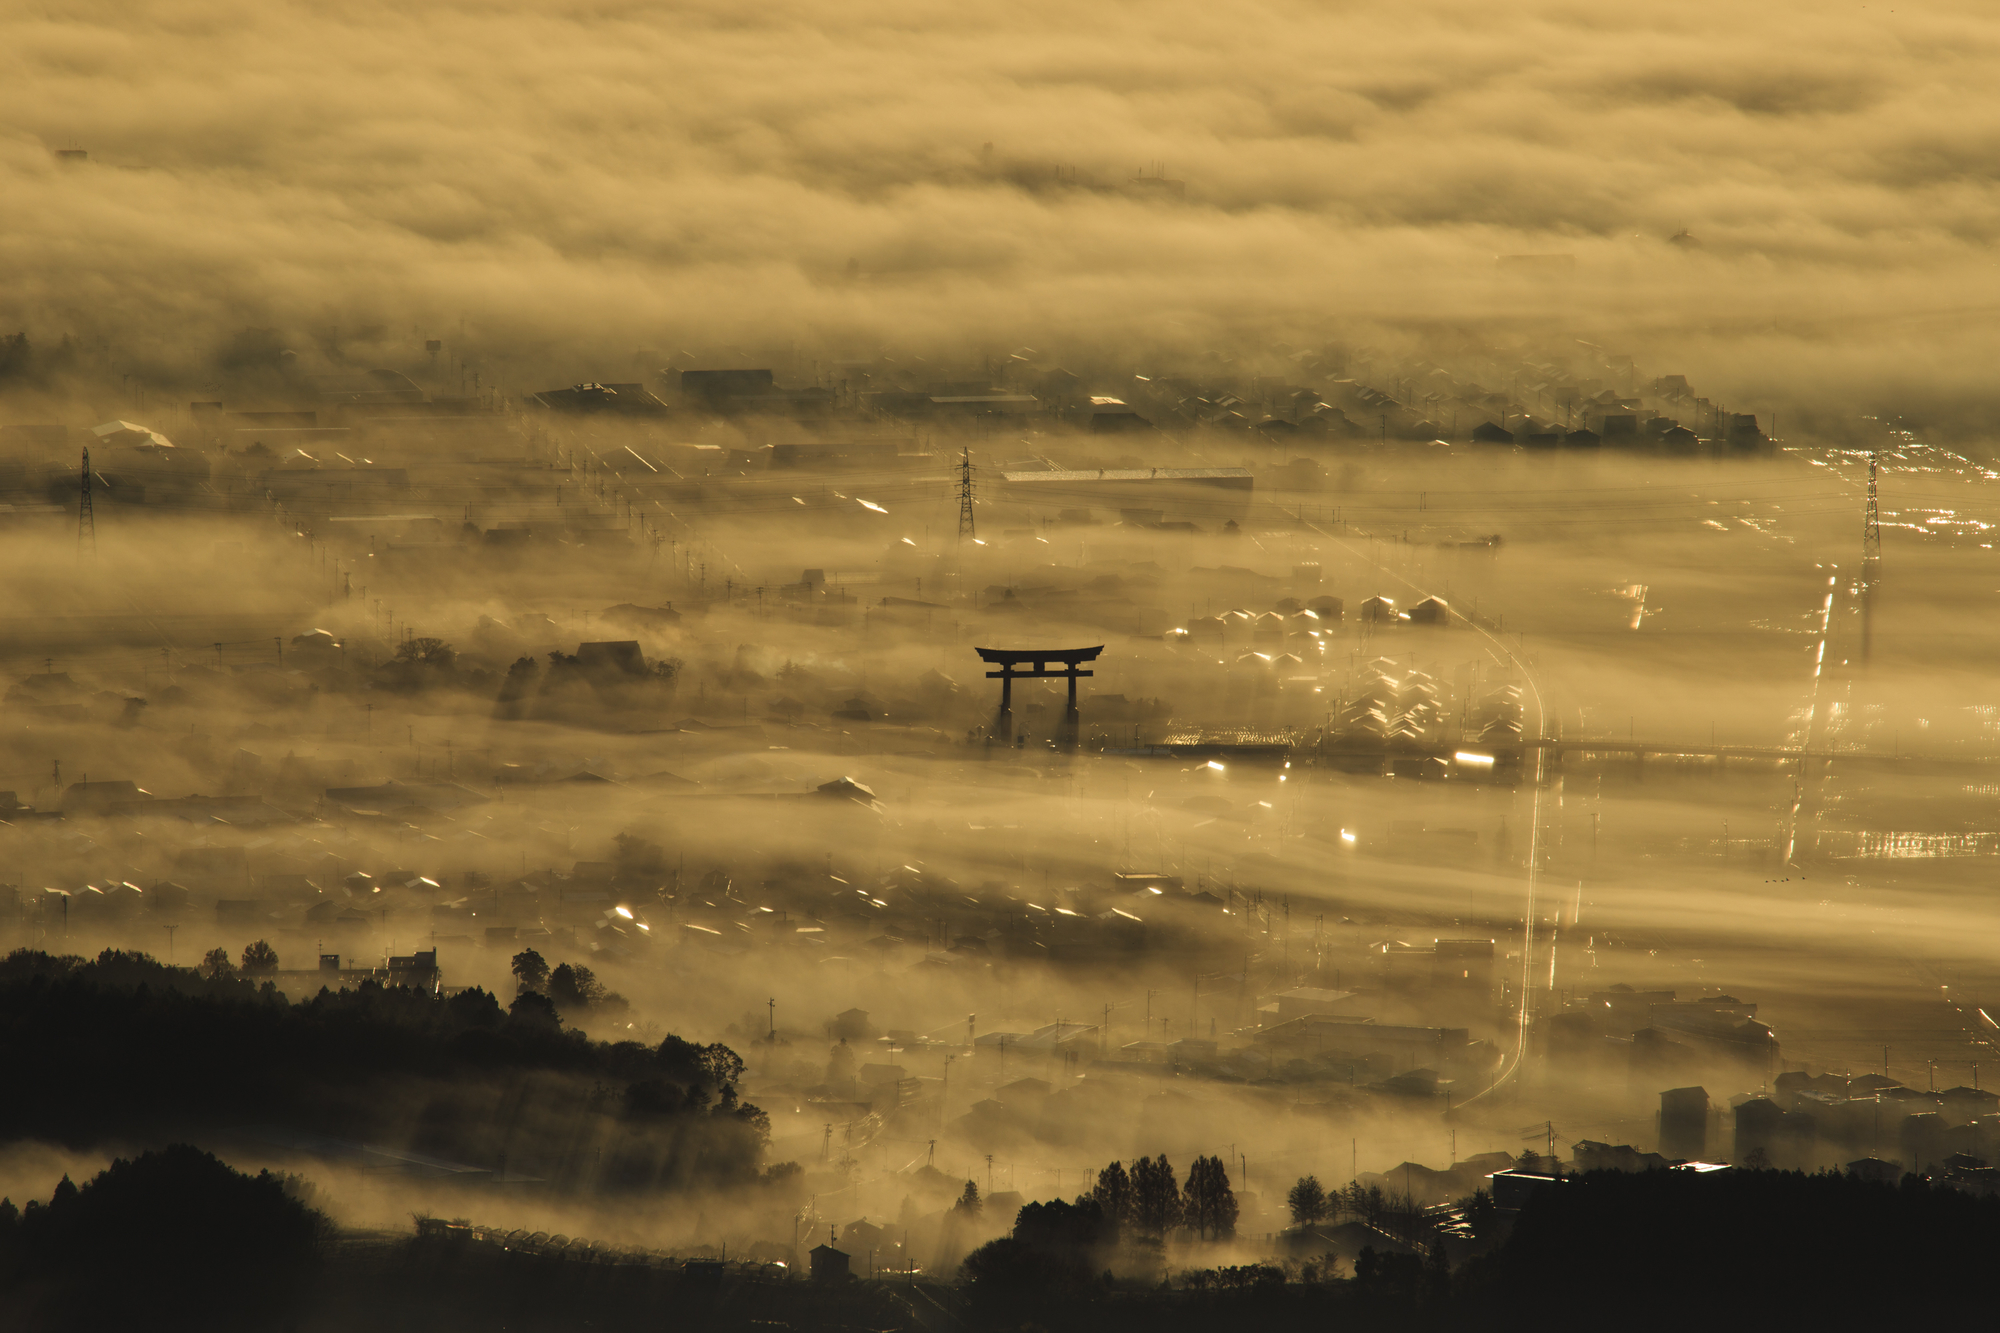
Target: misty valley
854, 849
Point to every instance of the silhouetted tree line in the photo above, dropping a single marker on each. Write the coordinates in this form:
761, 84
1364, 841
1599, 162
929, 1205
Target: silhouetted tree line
175, 1239
1052, 1259
168, 1240
1776, 1244
572, 987
530, 690
1660, 1249
1147, 1201
1063, 1252
123, 1047
426, 663
1398, 1215
22, 365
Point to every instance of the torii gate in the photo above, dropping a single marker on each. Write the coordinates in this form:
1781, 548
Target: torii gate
1010, 659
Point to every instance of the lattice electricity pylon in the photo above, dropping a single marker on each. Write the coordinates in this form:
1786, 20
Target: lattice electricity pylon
965, 491
1871, 532
86, 517
1871, 563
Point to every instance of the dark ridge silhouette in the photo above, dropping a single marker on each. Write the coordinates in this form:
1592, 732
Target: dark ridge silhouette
168, 1240
125, 1049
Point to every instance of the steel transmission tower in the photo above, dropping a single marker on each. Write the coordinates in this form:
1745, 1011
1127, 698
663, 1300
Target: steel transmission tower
965, 490
1871, 563
86, 519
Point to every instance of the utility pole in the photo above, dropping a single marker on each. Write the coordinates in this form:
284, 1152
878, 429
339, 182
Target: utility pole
1871, 563
965, 493
86, 517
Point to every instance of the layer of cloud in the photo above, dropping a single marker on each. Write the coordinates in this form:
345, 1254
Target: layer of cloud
620, 175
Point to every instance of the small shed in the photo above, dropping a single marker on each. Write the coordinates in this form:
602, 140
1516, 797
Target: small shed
829, 1264
1378, 608
1431, 611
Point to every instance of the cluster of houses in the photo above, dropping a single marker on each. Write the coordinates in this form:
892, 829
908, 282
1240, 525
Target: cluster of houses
1499, 715
1807, 1120
1392, 706
1584, 400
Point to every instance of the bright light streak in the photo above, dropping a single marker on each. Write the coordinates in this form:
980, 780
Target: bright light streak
625, 912
870, 504
1347, 835
1476, 760
1217, 767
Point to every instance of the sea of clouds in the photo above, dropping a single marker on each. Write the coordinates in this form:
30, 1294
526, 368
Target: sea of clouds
559, 182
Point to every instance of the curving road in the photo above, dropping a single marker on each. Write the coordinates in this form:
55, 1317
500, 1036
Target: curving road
1525, 1011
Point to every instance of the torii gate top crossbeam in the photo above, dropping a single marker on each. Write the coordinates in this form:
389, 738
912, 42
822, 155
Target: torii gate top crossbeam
1010, 660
